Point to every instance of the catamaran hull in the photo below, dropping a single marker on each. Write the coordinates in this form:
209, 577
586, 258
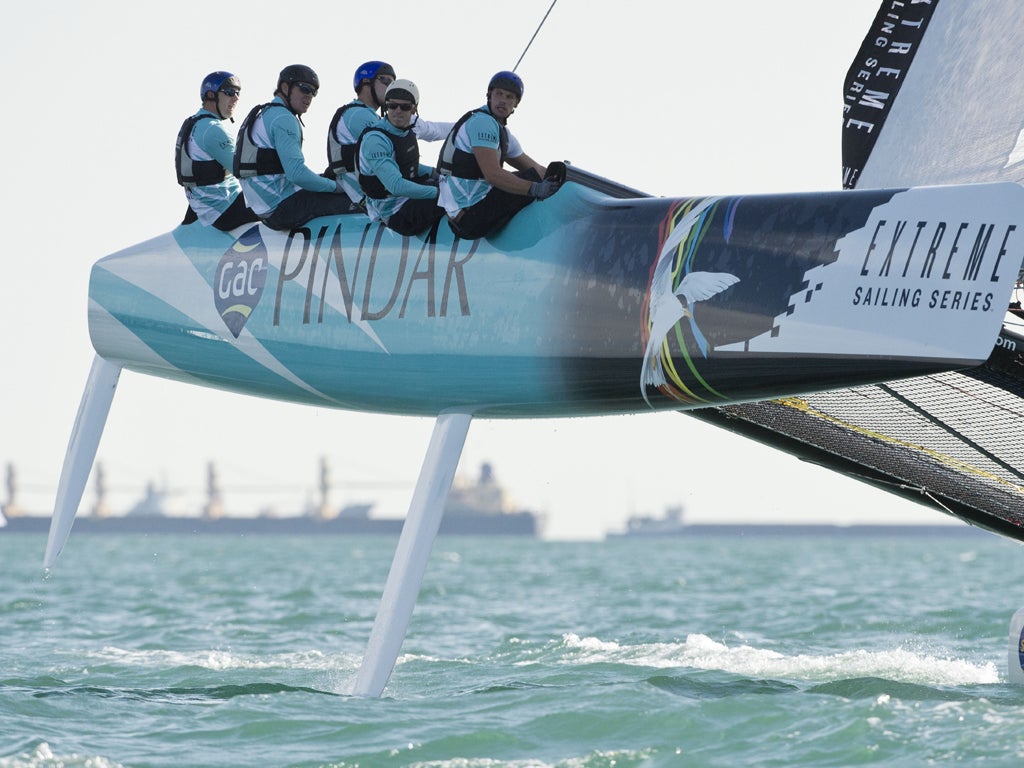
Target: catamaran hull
583, 305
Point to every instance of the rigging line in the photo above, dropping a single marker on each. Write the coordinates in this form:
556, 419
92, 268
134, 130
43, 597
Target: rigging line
523, 54
950, 430
935, 499
976, 396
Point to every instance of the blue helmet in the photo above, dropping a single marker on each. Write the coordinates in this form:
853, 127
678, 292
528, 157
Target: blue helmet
369, 70
508, 81
217, 80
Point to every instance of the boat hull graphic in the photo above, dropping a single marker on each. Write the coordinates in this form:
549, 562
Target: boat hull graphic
584, 305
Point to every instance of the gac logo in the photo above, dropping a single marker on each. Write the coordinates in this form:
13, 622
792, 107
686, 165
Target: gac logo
240, 278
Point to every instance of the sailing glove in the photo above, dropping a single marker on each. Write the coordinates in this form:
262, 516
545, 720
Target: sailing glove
543, 189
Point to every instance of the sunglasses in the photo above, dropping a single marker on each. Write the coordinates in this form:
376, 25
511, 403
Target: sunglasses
385, 79
231, 92
309, 90
401, 107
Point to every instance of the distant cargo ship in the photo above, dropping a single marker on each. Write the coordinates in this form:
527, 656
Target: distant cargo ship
642, 525
477, 508
672, 523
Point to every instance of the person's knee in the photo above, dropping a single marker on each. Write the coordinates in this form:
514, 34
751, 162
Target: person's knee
467, 230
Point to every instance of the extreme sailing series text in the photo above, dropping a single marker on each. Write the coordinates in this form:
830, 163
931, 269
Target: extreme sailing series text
962, 255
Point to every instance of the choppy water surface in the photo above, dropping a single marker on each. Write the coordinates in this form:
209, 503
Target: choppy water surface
221, 651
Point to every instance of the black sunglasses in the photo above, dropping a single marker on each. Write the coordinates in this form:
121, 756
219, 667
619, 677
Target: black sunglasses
401, 107
309, 90
231, 92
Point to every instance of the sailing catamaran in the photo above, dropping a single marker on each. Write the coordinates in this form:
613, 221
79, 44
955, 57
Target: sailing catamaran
865, 329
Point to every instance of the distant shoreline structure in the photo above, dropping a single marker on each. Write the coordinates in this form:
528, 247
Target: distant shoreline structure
509, 524
694, 530
673, 525
479, 508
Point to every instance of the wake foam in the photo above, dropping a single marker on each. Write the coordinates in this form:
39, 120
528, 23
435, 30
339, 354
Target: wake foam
701, 652
219, 660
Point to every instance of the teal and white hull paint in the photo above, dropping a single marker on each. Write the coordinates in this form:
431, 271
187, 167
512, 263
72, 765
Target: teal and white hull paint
584, 304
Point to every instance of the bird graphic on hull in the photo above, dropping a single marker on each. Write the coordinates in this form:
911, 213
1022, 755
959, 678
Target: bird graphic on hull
667, 305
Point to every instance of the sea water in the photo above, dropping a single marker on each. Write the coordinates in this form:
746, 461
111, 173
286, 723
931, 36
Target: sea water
727, 650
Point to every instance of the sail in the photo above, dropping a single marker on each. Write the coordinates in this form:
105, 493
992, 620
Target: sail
876, 77
934, 96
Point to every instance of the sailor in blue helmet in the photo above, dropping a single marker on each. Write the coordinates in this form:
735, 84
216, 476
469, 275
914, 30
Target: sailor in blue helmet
371, 81
399, 190
277, 184
203, 156
476, 191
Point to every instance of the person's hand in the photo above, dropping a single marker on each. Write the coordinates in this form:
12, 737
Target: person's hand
543, 189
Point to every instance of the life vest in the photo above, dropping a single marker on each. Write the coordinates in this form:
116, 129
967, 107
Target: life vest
251, 160
195, 173
407, 155
341, 157
458, 162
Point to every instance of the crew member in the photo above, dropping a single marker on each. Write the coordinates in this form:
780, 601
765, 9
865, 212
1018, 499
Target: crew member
276, 182
399, 190
371, 81
203, 154
476, 191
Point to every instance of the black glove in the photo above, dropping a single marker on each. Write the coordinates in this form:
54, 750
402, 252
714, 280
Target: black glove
556, 171
543, 189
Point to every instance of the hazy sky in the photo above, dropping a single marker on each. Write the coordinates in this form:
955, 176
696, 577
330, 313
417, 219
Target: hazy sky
674, 98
